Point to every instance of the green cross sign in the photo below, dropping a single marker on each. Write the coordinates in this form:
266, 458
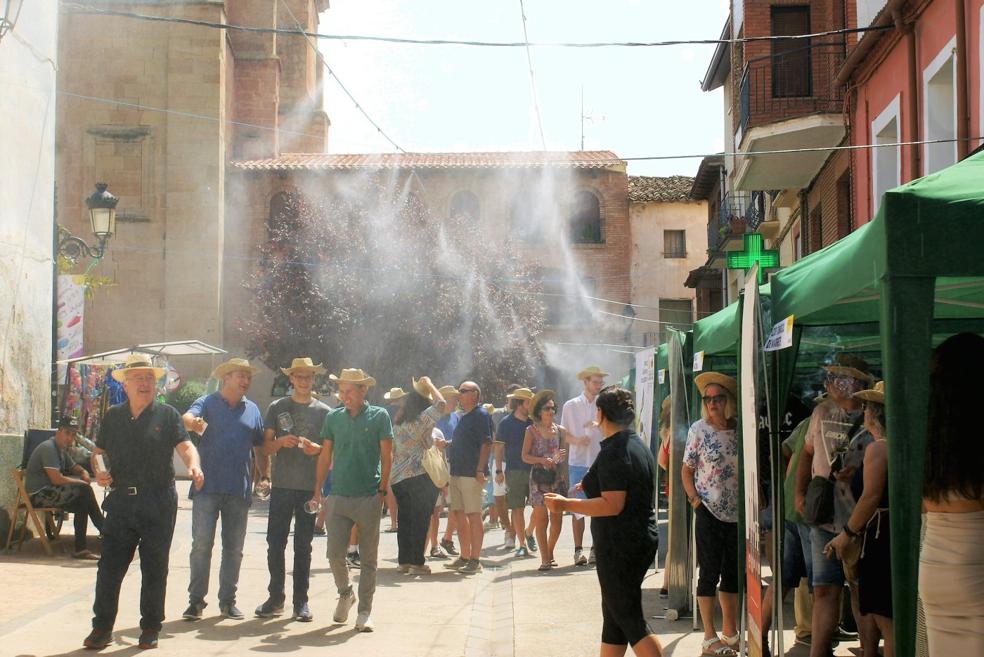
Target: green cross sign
745, 260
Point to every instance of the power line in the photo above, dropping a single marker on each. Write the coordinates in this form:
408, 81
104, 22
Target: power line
529, 61
340, 84
88, 9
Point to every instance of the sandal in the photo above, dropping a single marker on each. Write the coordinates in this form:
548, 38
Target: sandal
723, 650
730, 641
86, 555
544, 567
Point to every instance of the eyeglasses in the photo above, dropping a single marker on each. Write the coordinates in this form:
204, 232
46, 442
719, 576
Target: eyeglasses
550, 408
465, 391
715, 399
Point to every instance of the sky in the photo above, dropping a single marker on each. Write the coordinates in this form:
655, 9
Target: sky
641, 101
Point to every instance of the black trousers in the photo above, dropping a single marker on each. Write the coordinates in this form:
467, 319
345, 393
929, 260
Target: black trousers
620, 575
286, 505
143, 522
415, 499
717, 553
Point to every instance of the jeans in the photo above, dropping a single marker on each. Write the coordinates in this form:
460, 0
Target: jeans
205, 512
287, 505
415, 498
364, 513
146, 522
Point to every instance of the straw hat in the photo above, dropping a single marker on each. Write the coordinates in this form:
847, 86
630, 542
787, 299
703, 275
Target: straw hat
421, 389
302, 365
875, 394
588, 372
448, 390
489, 408
354, 375
135, 363
520, 393
233, 365
850, 365
545, 393
705, 379
394, 394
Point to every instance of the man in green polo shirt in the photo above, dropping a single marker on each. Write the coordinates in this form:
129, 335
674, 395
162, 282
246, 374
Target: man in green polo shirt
358, 438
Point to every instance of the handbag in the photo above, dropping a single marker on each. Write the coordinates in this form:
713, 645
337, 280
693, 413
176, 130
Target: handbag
542, 475
435, 466
818, 508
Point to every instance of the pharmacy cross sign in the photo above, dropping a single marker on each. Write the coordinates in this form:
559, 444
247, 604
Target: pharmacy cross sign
745, 260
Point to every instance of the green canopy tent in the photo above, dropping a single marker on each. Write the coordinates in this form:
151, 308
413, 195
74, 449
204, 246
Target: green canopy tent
908, 279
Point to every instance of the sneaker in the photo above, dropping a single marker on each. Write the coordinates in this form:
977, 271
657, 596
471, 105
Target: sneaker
231, 611
591, 556
363, 623
840, 634
472, 567
194, 611
352, 559
148, 640
448, 546
804, 640
98, 639
320, 531
510, 543
579, 558
403, 568
420, 570
270, 608
531, 543
303, 613
343, 607
456, 564
438, 553
521, 552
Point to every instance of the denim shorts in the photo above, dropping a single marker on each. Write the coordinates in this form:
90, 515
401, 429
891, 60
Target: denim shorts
797, 556
826, 571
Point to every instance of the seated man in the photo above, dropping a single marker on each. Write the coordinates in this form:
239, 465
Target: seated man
47, 482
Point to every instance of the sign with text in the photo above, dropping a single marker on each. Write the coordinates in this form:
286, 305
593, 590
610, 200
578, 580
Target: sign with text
781, 336
699, 361
749, 440
645, 391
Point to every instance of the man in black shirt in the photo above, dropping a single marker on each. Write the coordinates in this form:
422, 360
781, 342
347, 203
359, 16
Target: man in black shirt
134, 457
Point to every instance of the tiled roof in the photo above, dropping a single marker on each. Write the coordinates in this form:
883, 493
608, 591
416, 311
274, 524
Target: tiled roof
490, 160
669, 189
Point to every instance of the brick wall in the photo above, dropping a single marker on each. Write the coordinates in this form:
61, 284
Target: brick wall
826, 194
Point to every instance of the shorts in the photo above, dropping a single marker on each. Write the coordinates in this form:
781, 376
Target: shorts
466, 494
826, 571
717, 553
797, 557
576, 474
517, 488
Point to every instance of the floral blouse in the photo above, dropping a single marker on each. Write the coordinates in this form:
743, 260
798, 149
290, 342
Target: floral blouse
410, 441
713, 456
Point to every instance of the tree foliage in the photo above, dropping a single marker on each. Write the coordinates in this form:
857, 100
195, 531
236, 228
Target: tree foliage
372, 279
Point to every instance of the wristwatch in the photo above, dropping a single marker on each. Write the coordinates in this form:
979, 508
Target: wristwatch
498, 471
381, 491
853, 535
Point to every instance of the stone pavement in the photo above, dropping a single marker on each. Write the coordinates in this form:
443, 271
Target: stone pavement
508, 610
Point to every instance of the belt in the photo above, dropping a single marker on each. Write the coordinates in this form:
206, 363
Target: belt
139, 490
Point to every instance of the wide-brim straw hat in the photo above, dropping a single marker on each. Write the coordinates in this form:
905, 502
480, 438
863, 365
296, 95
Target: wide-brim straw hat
136, 363
520, 393
302, 365
705, 379
354, 376
593, 370
419, 388
850, 365
448, 390
233, 365
394, 394
546, 392
875, 394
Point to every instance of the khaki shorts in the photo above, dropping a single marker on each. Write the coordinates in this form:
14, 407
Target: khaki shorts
517, 488
466, 494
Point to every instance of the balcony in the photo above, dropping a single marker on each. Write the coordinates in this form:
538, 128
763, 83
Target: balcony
789, 101
740, 212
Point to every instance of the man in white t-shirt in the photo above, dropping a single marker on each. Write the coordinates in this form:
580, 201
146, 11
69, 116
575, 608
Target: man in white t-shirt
584, 443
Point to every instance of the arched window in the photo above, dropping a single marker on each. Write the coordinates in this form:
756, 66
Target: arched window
464, 206
284, 212
585, 221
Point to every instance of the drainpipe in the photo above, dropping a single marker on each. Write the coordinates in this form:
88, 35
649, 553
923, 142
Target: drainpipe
804, 222
910, 43
963, 110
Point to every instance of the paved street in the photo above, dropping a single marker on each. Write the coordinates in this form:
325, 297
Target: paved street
509, 609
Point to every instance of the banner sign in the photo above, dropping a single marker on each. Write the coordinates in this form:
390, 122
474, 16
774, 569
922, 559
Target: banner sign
781, 336
662, 377
698, 361
71, 306
645, 391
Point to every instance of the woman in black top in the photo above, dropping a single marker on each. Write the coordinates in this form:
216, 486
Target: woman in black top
619, 486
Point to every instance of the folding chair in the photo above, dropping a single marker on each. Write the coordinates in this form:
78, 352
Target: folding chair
49, 526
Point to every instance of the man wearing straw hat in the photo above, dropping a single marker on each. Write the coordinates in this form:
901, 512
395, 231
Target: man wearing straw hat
292, 436
584, 440
134, 455
231, 428
358, 440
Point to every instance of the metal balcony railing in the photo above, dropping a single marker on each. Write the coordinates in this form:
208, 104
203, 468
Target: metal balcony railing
795, 83
739, 213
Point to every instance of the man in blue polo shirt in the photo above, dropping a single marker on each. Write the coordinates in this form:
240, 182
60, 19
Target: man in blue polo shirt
231, 428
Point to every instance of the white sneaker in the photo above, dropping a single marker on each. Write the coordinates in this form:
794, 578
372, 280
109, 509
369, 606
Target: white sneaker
343, 607
363, 623
510, 542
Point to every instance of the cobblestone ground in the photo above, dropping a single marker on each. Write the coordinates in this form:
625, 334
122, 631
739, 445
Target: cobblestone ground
509, 609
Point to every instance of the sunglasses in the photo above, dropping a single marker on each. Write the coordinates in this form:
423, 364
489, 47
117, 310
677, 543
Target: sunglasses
550, 407
715, 399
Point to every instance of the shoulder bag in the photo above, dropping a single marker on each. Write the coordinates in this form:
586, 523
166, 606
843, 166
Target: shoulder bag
435, 466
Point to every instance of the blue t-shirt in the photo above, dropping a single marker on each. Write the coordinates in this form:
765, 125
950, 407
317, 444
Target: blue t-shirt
474, 430
226, 449
447, 425
511, 433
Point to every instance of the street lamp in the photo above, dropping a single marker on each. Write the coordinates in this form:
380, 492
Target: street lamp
102, 217
11, 10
